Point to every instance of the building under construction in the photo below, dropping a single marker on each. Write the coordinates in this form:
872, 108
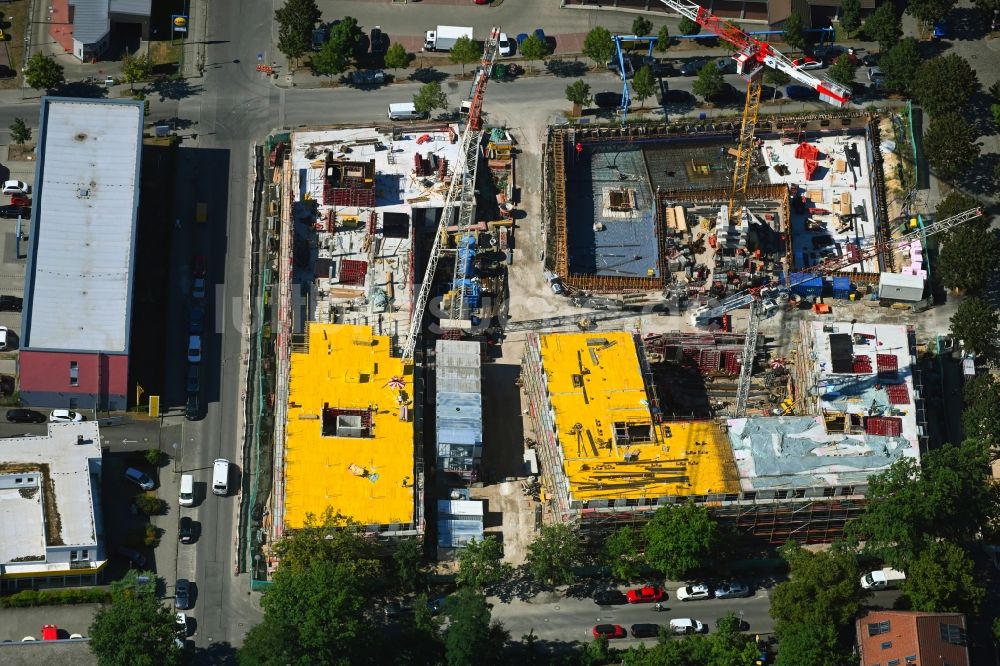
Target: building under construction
610, 456
636, 209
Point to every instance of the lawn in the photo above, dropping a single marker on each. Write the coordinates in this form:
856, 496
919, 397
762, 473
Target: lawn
15, 23
166, 56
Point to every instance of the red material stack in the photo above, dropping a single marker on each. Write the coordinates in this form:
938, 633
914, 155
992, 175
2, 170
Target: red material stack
862, 364
888, 426
353, 271
810, 167
898, 394
887, 364
806, 151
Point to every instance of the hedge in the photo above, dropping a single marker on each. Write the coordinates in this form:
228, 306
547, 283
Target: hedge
83, 595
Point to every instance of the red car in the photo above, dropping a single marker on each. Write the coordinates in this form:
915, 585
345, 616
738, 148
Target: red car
610, 631
645, 595
20, 200
198, 266
807, 63
50, 632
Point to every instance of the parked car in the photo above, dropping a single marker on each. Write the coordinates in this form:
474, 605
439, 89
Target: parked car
139, 478
610, 598
367, 77
193, 382
65, 416
801, 93
610, 631
194, 349
199, 266
693, 66
16, 187
505, 46
540, 34
871, 59
135, 558
198, 289
645, 630
875, 73
20, 200
656, 66
181, 621
732, 590
613, 66
608, 100
13, 212
185, 529
25, 416
197, 319
677, 97
828, 51
685, 625
10, 304
182, 592
693, 592
379, 41
192, 408
940, 30
554, 282
646, 594
807, 63
320, 36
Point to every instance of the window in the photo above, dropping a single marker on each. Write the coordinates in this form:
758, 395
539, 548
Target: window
877, 628
74, 375
912, 659
84, 554
886, 645
72, 556
892, 662
952, 633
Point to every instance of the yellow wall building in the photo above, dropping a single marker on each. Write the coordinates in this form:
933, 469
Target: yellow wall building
589, 400
349, 438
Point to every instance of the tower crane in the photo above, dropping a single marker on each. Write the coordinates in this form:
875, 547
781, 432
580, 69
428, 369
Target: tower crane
461, 193
760, 299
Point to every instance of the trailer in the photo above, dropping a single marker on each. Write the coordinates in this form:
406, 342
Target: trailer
444, 37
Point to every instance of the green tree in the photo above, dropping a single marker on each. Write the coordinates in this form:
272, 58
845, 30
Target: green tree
688, 27
883, 26
534, 48
622, 554
945, 84
987, 7
900, 64
480, 564
968, 258
809, 643
663, 38
956, 202
975, 323
822, 588
981, 416
946, 496
421, 641
850, 16
995, 112
396, 57
709, 83
296, 19
843, 70
776, 78
598, 45
729, 646
471, 639
43, 72
328, 537
149, 503
929, 12
408, 561
136, 68
951, 145
795, 35
942, 580
332, 58
135, 628
19, 131
430, 97
578, 92
553, 553
641, 26
680, 538
463, 52
643, 84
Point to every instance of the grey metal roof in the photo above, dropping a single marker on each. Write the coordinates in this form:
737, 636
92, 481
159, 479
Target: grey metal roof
457, 366
91, 20
135, 7
86, 197
459, 418
459, 521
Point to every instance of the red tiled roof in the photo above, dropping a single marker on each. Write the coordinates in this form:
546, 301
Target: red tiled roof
886, 635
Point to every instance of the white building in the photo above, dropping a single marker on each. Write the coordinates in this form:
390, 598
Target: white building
51, 530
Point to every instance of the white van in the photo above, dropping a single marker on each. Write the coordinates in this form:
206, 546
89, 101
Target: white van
404, 111
220, 477
187, 490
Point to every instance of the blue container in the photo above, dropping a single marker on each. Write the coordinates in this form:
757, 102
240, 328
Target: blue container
803, 285
842, 287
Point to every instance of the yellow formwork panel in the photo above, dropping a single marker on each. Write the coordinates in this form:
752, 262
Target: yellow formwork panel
370, 477
611, 448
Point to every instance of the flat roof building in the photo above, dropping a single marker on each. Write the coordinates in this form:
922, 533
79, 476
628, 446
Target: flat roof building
349, 442
51, 530
459, 407
78, 283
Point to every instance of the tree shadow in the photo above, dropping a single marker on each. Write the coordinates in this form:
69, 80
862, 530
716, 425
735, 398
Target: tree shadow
520, 585
427, 75
81, 89
967, 23
563, 68
981, 180
217, 653
977, 113
176, 123
174, 89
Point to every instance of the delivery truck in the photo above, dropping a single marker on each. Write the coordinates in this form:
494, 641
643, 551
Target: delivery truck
444, 37
882, 579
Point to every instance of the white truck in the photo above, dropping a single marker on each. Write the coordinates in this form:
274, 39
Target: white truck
882, 579
444, 37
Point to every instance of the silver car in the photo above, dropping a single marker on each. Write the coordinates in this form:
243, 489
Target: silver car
732, 591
